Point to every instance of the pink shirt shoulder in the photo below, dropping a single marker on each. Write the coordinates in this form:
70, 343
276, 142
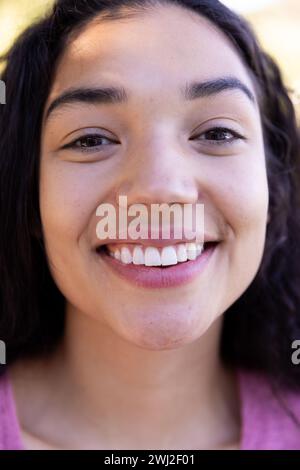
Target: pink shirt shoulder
267, 422
270, 421
10, 432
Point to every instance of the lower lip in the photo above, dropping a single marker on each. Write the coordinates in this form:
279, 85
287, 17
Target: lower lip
157, 277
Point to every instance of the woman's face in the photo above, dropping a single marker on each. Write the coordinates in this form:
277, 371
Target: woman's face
156, 147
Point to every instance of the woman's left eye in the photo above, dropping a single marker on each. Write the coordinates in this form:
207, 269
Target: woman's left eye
219, 136
89, 143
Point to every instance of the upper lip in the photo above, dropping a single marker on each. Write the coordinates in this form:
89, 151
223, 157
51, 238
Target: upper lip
158, 241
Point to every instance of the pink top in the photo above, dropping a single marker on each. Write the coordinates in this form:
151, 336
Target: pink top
265, 425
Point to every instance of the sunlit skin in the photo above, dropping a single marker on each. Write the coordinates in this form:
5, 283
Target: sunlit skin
139, 368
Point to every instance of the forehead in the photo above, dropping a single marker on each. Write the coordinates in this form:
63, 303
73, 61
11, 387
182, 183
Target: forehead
152, 52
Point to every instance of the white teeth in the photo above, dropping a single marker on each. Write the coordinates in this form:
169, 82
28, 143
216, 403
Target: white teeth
181, 253
191, 251
138, 255
126, 256
199, 248
152, 256
168, 256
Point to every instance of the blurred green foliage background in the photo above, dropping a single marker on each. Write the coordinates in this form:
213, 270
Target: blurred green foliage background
277, 26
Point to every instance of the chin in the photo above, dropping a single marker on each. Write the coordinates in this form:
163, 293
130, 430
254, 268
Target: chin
164, 334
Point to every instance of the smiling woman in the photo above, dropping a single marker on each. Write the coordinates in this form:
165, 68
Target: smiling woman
136, 344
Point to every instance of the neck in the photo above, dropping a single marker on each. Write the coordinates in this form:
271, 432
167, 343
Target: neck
175, 397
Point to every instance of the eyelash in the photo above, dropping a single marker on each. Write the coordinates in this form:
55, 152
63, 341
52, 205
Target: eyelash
235, 136
73, 145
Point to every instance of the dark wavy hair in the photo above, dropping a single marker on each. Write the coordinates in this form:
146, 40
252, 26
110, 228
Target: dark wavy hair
260, 326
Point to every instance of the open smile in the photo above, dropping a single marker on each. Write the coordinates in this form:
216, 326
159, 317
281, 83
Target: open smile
170, 266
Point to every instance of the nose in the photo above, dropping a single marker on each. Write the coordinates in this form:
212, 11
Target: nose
158, 173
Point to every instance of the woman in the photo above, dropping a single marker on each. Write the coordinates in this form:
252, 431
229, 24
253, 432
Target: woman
161, 102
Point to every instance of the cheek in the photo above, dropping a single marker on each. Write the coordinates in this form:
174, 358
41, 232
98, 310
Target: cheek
59, 203
239, 193
69, 195
238, 189
67, 200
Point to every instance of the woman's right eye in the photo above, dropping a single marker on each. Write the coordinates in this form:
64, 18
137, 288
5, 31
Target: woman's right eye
219, 136
88, 143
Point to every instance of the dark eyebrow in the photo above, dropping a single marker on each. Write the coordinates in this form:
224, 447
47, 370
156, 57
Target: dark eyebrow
111, 95
106, 95
212, 87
